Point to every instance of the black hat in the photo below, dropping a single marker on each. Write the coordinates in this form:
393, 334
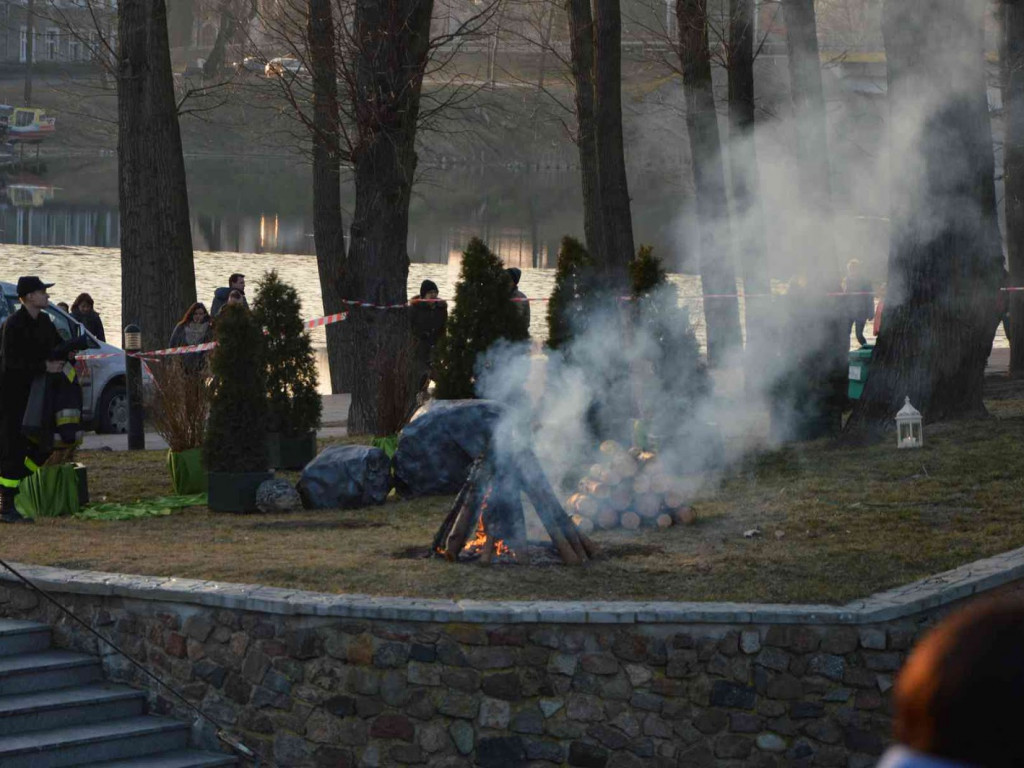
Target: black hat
427, 285
29, 284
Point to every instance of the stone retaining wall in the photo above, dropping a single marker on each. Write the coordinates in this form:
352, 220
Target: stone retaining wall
328, 680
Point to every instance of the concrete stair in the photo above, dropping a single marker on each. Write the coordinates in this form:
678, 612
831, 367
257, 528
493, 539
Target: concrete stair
56, 710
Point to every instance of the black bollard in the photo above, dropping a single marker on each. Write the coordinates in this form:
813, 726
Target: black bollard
133, 372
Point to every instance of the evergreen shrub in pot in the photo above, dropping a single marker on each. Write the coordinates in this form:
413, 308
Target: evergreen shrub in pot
235, 449
293, 403
484, 313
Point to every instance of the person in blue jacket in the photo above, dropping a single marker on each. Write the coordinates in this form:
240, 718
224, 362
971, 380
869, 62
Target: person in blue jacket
220, 297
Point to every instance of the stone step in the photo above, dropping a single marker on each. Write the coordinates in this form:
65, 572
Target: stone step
132, 737
184, 758
61, 707
28, 672
23, 637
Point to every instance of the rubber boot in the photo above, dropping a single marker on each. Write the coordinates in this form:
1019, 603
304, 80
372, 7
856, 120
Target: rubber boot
8, 512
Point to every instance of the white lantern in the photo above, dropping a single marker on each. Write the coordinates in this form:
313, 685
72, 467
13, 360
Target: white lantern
908, 427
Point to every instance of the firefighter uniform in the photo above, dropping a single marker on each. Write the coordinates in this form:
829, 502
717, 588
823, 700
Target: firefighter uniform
26, 343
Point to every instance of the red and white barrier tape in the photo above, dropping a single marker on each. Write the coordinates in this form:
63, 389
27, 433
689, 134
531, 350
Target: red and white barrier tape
320, 322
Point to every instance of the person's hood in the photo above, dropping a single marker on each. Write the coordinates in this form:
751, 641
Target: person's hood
222, 293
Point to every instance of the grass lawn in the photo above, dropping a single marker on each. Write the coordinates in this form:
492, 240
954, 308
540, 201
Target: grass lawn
836, 523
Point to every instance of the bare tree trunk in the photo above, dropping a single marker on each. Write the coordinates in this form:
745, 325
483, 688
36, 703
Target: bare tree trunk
616, 216
328, 231
393, 42
230, 23
581, 39
718, 276
821, 363
945, 262
30, 48
745, 176
545, 43
1013, 172
158, 279
811, 136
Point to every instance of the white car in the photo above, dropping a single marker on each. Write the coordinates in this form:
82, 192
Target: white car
104, 389
284, 66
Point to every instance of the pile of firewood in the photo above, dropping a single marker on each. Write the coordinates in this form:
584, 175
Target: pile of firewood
628, 488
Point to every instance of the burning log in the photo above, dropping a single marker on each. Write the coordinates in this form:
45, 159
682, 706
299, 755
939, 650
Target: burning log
490, 507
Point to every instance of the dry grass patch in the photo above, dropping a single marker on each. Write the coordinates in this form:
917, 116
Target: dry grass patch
835, 523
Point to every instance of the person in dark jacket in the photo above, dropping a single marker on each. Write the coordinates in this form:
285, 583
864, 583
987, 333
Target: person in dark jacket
860, 298
84, 311
522, 303
194, 328
220, 297
27, 341
429, 316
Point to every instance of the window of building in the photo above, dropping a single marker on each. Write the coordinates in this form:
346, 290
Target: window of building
52, 44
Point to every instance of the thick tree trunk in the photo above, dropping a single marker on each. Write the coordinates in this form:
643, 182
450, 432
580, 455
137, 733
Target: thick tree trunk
226, 31
392, 38
581, 39
1013, 172
718, 276
158, 279
819, 365
811, 138
328, 231
945, 263
30, 48
746, 178
616, 216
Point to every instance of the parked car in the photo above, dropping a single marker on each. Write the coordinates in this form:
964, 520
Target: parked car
104, 388
250, 65
284, 66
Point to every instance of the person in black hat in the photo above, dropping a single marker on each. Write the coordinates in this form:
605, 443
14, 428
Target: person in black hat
429, 316
27, 340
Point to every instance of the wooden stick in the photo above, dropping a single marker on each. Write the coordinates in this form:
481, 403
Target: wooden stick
487, 553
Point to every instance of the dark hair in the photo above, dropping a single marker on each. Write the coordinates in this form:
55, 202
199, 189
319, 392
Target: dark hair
427, 285
191, 311
961, 691
82, 298
235, 277
515, 273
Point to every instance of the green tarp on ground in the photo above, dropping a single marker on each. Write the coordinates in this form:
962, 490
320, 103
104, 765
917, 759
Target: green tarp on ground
160, 506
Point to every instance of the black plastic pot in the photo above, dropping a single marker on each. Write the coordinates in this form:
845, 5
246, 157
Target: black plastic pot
82, 476
287, 452
235, 491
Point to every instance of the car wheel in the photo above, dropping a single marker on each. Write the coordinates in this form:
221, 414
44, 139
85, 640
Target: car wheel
112, 414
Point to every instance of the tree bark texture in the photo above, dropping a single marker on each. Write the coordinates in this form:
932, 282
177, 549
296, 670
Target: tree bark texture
717, 273
745, 176
822, 271
1013, 172
581, 39
945, 261
392, 39
616, 216
328, 230
158, 280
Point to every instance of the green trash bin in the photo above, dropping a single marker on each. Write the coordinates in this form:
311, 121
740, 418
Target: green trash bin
860, 363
